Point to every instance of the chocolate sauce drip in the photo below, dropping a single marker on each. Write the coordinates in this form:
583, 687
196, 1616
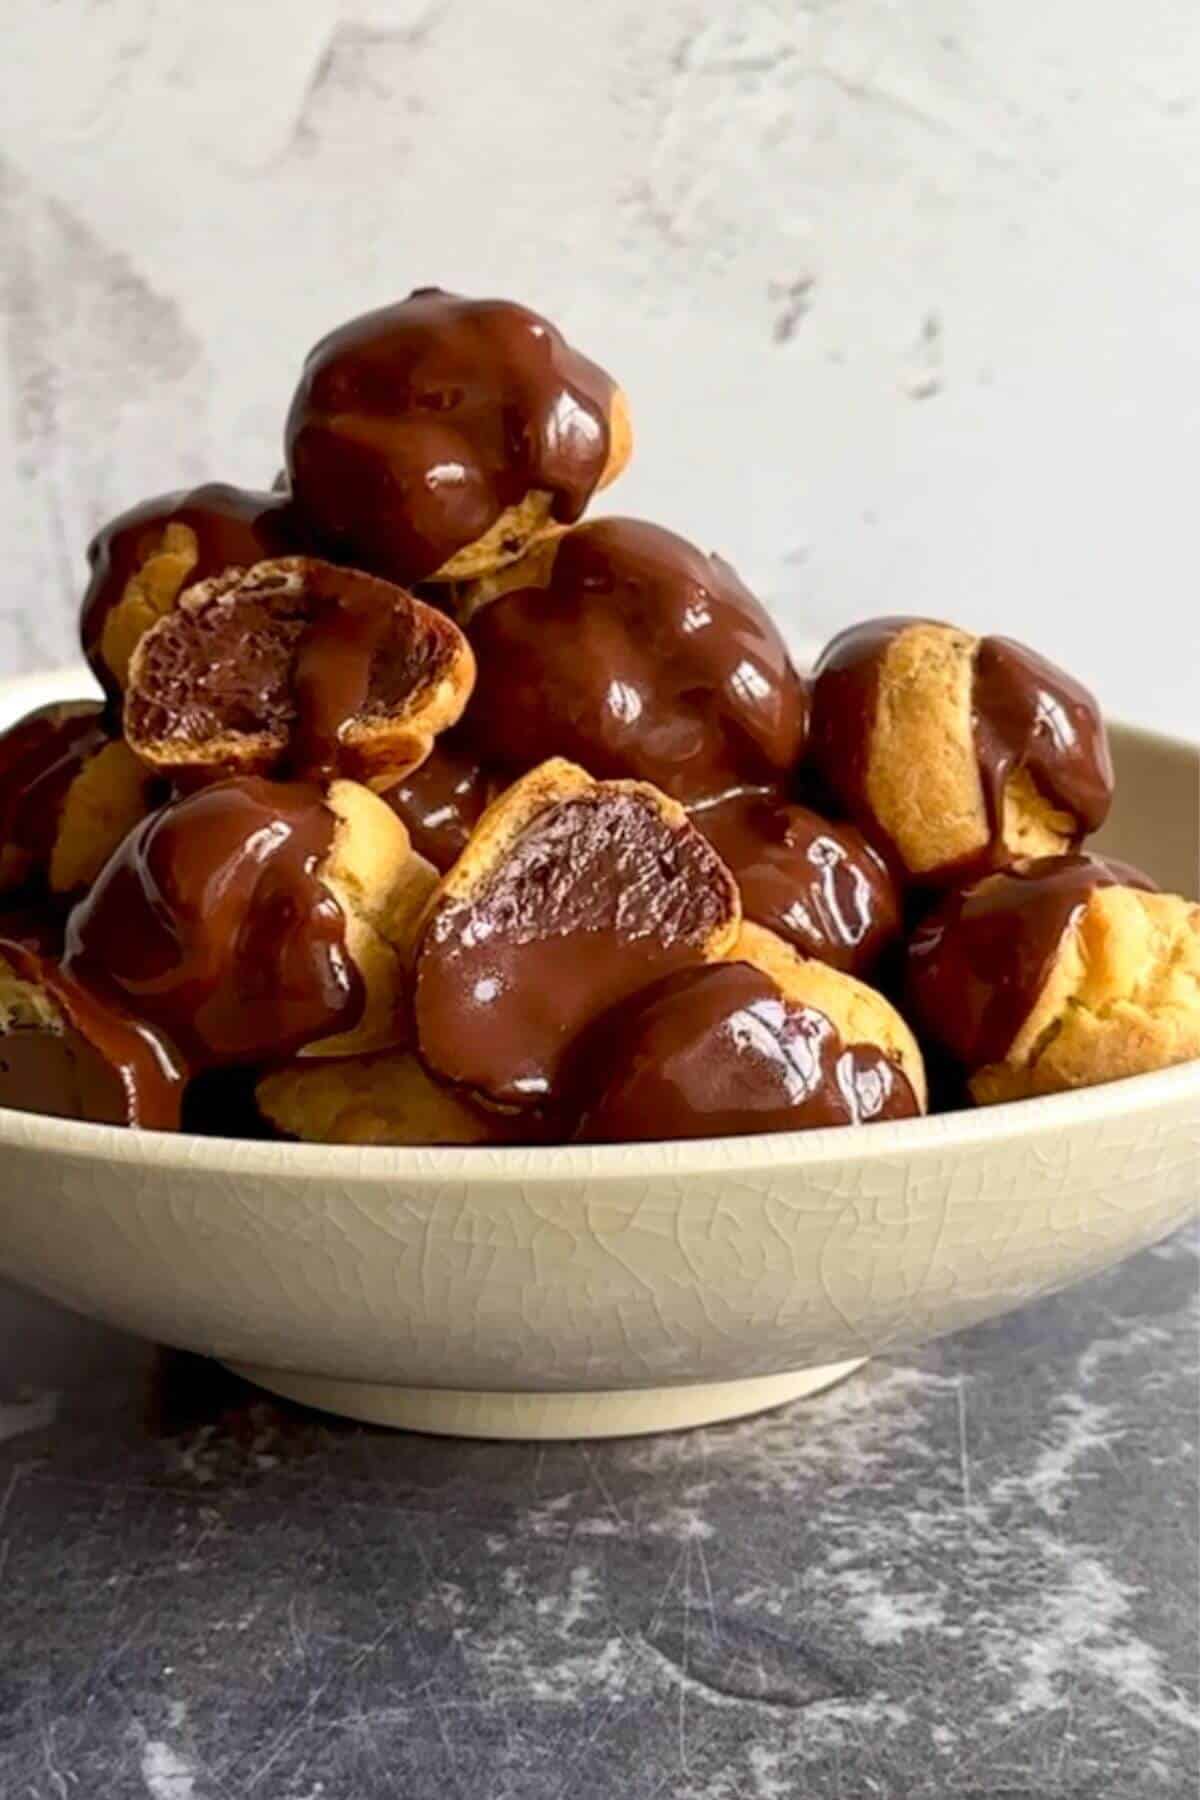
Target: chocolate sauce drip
102, 1065
596, 898
845, 698
40, 757
717, 1051
211, 920
442, 802
643, 657
292, 654
364, 644
332, 678
233, 527
1030, 715
977, 964
818, 885
414, 427
1026, 713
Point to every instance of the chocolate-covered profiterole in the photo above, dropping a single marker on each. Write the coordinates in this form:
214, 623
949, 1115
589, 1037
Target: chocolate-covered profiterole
40, 756
717, 1051
597, 896
818, 885
442, 802
296, 667
166, 545
978, 962
66, 1052
1026, 716
212, 922
415, 427
641, 657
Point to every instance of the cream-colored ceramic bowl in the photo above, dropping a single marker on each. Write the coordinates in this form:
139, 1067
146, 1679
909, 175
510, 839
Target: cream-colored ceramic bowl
586, 1292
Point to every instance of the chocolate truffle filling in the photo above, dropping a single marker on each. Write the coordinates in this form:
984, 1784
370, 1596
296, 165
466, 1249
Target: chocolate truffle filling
717, 1051
597, 897
231, 527
295, 653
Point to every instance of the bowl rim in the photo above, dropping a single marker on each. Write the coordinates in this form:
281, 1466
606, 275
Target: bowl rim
916, 1140
1050, 1115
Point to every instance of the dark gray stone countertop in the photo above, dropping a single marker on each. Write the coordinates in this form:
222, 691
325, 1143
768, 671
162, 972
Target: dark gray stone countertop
967, 1572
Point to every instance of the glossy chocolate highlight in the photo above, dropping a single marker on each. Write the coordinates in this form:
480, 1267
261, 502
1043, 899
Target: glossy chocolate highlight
596, 898
817, 885
101, 1065
717, 1051
415, 427
643, 658
211, 920
977, 964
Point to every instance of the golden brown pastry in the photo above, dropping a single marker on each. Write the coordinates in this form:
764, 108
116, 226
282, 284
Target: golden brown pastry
389, 1098
530, 570
1057, 973
955, 753
641, 658
383, 887
762, 1041
296, 665
438, 438
69, 792
67, 1052
252, 920
570, 895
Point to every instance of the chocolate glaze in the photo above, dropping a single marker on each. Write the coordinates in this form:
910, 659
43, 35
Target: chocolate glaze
103, 1065
1030, 715
414, 427
717, 1051
818, 885
442, 802
1027, 714
367, 648
232, 527
643, 657
212, 922
596, 898
845, 695
296, 652
40, 757
978, 962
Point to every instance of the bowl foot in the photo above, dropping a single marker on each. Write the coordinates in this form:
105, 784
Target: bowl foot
632, 1412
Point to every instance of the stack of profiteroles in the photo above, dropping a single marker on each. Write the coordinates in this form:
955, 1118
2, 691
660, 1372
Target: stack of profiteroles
420, 809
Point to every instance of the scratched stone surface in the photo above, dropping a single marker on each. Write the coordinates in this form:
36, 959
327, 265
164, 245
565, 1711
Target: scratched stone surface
970, 1572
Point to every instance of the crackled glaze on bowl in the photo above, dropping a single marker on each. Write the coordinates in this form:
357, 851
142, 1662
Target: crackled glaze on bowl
499, 1275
